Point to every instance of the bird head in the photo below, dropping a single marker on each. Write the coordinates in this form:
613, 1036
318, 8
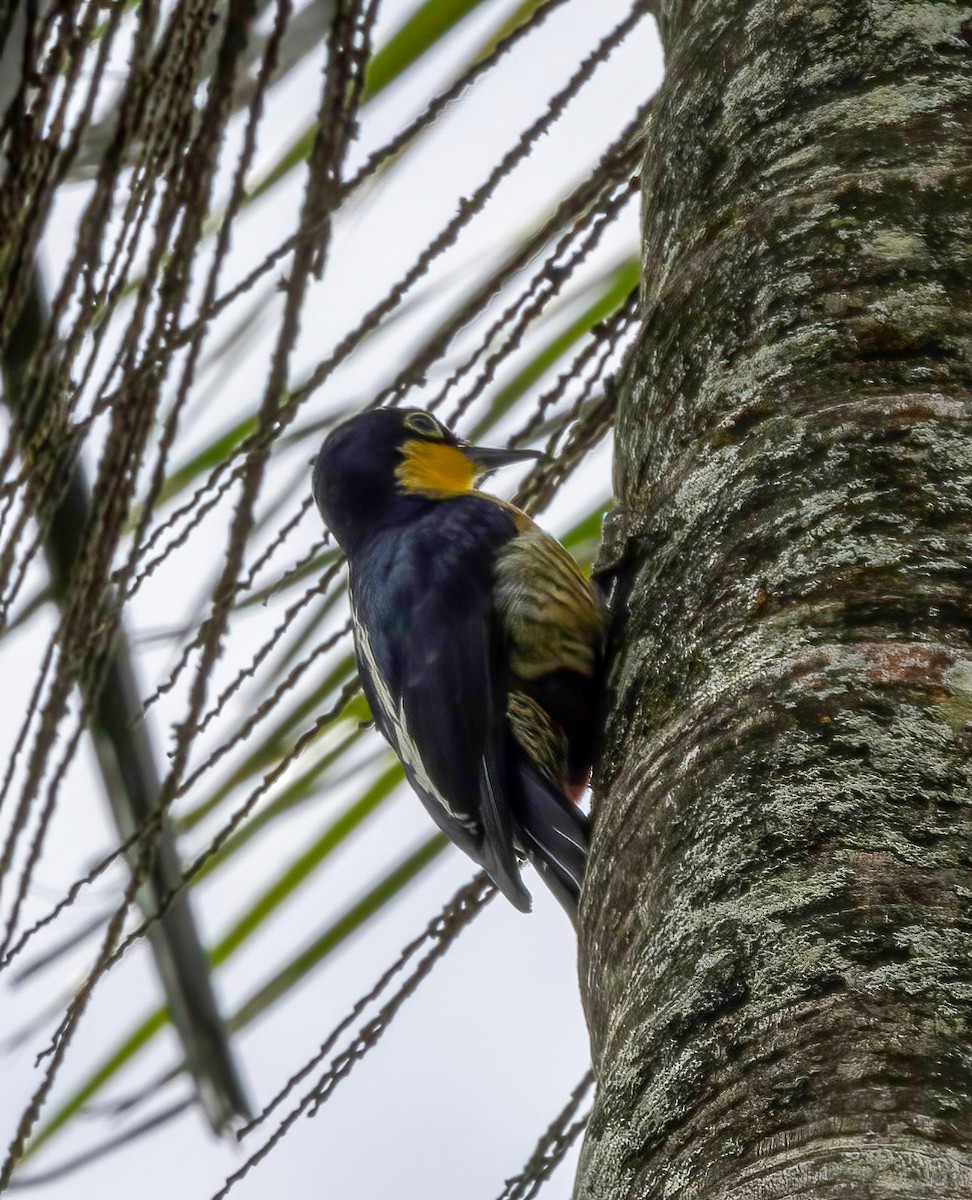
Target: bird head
381, 465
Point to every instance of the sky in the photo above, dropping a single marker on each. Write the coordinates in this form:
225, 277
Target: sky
479, 1062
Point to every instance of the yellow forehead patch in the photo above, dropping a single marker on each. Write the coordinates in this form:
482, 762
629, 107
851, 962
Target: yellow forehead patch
434, 469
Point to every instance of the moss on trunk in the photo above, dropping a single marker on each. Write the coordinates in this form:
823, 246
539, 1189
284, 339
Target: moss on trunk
776, 933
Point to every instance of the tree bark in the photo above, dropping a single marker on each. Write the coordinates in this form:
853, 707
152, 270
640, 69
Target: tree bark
776, 930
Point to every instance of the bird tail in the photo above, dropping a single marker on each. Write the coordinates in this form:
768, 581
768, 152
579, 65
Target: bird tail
496, 851
556, 836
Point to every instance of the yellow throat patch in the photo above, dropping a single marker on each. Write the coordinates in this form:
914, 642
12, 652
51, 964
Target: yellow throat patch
434, 469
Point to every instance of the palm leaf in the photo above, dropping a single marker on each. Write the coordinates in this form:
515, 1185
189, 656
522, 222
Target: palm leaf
286, 673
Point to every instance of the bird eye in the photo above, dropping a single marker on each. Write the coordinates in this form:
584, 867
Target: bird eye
424, 424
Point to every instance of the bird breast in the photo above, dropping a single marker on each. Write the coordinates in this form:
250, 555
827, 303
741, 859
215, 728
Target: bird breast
549, 610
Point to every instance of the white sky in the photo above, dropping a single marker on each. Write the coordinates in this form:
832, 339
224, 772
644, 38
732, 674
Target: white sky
479, 1062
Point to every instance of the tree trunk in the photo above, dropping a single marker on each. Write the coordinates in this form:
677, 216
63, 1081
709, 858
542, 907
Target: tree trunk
776, 931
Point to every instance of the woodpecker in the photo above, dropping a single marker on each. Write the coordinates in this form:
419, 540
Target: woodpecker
479, 642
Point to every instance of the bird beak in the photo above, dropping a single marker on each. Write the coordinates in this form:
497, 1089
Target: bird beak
487, 459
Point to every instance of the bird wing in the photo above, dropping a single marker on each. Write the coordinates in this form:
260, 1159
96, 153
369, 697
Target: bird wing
431, 656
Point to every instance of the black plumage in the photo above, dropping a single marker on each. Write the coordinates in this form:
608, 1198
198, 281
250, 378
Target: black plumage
478, 639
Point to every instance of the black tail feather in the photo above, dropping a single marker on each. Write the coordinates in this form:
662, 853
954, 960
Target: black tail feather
496, 852
555, 835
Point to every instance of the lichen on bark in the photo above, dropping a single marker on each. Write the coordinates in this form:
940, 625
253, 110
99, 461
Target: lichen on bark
776, 931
